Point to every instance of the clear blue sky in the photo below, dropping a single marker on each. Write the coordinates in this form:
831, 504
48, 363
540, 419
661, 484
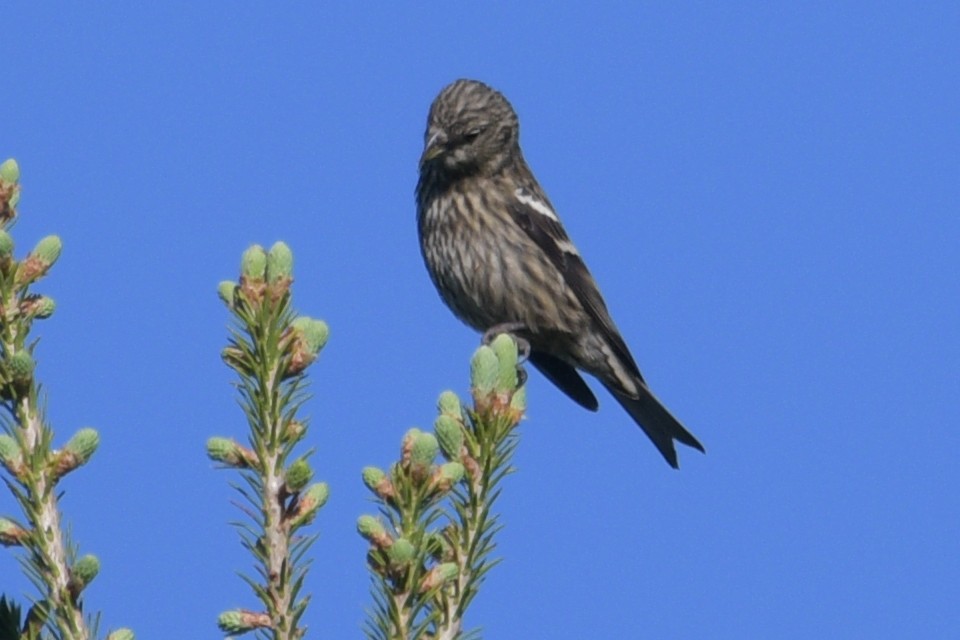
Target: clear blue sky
769, 196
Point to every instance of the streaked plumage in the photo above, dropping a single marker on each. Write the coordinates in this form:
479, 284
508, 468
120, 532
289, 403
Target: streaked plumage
497, 253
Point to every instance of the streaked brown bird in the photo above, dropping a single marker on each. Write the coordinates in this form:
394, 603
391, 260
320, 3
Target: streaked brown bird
501, 260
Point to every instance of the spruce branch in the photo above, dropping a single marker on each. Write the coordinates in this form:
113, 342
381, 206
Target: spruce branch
270, 348
433, 543
27, 453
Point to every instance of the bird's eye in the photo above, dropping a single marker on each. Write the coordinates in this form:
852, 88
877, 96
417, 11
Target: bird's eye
473, 134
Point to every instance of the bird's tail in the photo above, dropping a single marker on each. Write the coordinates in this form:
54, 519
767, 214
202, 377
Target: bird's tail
658, 423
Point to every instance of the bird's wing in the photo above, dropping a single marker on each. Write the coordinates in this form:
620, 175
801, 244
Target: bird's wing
566, 378
534, 214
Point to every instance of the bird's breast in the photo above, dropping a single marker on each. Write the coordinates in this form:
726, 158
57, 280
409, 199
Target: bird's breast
487, 269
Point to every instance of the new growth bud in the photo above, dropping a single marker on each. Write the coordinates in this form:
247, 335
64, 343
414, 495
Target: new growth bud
401, 552
298, 475
9, 190
38, 263
377, 481
314, 333
82, 573
449, 405
253, 264
241, 621
10, 171
495, 377
253, 270
12, 534
447, 475
37, 307
424, 450
10, 456
309, 337
309, 504
20, 365
279, 263
227, 290
438, 576
484, 369
76, 452
506, 350
231, 453
373, 530
450, 435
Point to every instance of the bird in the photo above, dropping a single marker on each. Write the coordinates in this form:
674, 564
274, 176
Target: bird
500, 258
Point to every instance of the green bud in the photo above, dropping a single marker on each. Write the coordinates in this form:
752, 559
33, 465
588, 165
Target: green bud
424, 449
21, 367
227, 451
450, 436
83, 444
401, 551
298, 475
449, 404
40, 307
75, 453
219, 448
310, 503
232, 622
9, 450
46, 308
10, 456
6, 244
10, 171
439, 575
314, 332
372, 477
227, 290
241, 621
121, 634
451, 473
12, 534
448, 571
484, 370
318, 494
253, 264
371, 528
506, 349
48, 250
279, 262
83, 571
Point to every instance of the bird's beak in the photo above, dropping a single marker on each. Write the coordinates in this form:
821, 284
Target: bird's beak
435, 146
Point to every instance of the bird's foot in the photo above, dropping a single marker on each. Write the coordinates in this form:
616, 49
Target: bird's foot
511, 329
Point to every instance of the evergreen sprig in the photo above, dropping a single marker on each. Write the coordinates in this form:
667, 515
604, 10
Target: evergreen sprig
270, 348
433, 544
35, 468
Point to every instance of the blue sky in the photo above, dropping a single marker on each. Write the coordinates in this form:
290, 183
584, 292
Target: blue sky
768, 195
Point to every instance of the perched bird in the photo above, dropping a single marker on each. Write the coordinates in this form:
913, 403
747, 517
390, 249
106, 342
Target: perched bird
501, 260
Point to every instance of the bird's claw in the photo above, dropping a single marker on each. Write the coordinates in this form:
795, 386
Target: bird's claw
511, 329
521, 376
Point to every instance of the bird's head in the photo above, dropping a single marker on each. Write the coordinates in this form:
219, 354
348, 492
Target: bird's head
471, 129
